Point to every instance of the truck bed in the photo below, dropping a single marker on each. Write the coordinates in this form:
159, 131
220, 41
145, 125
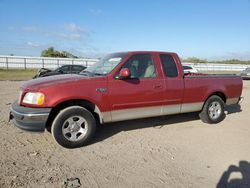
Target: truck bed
198, 87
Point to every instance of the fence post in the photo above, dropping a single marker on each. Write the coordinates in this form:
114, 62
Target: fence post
25, 63
86, 63
57, 62
72, 61
43, 63
7, 63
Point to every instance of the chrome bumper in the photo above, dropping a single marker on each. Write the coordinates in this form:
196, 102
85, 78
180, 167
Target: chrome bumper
240, 100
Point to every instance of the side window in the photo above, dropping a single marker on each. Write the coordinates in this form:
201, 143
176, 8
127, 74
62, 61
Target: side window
169, 65
76, 68
64, 69
141, 66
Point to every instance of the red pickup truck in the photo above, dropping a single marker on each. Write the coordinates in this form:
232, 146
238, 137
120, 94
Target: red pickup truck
121, 86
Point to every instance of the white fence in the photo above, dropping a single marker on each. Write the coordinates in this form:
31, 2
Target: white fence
21, 62
217, 67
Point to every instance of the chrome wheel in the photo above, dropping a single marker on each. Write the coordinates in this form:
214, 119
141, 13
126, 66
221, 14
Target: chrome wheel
75, 128
214, 110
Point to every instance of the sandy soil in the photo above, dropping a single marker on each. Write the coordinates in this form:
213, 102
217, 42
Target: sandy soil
169, 151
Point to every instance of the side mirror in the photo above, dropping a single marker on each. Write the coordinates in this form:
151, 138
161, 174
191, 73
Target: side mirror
124, 73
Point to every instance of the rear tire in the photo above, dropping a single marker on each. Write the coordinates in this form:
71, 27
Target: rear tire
73, 127
213, 110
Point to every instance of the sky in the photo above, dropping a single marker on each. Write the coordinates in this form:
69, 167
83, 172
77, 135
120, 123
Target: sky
213, 29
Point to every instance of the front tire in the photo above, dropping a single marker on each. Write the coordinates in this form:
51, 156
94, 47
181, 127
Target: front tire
73, 127
213, 110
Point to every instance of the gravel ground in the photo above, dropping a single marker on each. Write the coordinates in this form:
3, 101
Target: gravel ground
169, 151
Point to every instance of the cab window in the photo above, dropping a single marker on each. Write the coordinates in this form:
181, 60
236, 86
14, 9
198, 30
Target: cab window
169, 65
141, 66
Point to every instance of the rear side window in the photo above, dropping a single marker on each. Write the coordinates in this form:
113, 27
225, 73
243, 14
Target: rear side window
169, 65
77, 68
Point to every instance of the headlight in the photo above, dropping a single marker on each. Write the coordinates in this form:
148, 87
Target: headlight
34, 98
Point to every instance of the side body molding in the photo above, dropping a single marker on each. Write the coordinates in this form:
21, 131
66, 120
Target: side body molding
137, 113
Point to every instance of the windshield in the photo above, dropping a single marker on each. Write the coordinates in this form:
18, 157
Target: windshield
105, 65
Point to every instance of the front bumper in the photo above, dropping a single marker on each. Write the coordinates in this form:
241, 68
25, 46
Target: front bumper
30, 119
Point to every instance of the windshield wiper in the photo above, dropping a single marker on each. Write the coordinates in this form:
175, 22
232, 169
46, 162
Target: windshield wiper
98, 74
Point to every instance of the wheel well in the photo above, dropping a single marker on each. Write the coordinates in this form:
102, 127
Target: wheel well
219, 94
84, 103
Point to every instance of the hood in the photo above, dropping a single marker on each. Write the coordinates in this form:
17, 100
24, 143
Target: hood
43, 82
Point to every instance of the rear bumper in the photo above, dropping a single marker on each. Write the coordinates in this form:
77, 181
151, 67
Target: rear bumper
30, 119
236, 100
240, 100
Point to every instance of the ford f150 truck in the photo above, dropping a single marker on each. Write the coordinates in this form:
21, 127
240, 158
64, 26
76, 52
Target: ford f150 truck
122, 86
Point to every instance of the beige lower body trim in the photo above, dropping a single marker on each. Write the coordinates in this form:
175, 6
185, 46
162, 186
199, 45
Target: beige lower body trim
127, 114
191, 107
232, 101
136, 113
106, 117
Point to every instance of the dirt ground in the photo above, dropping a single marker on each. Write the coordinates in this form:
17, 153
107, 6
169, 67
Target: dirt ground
169, 151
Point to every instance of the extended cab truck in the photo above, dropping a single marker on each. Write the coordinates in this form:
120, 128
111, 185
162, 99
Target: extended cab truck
121, 86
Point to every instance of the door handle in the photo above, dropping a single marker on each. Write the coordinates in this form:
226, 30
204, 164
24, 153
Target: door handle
158, 86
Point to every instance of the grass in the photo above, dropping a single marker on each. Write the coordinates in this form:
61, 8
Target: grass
17, 74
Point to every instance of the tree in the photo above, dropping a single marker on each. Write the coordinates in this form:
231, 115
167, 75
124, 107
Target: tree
51, 52
67, 54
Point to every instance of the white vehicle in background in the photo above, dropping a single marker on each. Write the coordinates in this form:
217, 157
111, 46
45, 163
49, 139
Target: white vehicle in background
189, 69
245, 74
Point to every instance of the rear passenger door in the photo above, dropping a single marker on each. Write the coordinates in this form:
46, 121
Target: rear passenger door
173, 85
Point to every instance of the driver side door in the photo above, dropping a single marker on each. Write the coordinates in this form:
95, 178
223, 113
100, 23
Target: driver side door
141, 95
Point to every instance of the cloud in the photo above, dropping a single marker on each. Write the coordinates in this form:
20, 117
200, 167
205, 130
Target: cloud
96, 11
72, 27
75, 36
69, 31
31, 44
74, 32
66, 36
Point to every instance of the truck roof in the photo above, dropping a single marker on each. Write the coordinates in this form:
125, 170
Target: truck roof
134, 52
